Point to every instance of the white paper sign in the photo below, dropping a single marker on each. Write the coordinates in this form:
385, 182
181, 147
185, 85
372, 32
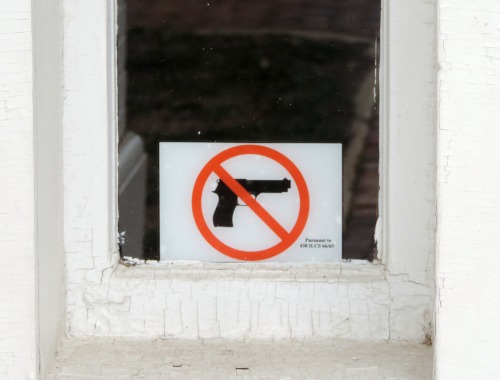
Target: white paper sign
222, 202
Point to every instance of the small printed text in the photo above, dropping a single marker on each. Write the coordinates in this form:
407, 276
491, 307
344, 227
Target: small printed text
317, 243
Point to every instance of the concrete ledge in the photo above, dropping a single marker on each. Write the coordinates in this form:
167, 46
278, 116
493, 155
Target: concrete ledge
108, 358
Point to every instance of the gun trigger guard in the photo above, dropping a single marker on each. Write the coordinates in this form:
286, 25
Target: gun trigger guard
254, 197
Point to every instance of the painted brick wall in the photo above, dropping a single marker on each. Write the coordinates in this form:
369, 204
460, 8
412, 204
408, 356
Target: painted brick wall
468, 266
18, 358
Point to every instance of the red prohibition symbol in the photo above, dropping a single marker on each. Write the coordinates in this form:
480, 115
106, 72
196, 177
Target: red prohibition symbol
287, 238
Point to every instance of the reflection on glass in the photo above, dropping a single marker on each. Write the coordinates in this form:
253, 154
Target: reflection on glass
266, 71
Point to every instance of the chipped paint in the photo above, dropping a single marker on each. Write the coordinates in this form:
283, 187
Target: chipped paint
255, 301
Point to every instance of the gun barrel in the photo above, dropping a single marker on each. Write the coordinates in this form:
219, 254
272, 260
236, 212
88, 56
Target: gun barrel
258, 186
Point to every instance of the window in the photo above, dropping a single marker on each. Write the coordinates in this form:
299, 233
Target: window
272, 72
391, 297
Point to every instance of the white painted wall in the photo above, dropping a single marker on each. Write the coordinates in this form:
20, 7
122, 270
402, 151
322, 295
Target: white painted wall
388, 300
49, 200
468, 265
203, 300
359, 301
18, 308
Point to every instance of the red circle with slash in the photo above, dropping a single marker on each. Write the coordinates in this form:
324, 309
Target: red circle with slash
287, 238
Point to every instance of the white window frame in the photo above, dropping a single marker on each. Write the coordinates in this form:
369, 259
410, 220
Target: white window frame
391, 299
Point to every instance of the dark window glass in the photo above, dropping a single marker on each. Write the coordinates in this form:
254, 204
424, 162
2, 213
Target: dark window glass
262, 71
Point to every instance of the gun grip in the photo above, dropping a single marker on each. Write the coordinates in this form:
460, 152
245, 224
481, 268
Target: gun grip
223, 215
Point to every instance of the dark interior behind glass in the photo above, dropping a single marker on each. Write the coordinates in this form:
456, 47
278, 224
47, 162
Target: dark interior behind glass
262, 71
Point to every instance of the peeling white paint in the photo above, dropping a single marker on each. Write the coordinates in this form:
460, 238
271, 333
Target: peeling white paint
254, 301
468, 266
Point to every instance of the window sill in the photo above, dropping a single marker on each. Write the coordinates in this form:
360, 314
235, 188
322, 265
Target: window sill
96, 358
350, 300
358, 271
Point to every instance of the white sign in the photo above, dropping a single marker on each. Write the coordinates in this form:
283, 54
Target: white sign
222, 202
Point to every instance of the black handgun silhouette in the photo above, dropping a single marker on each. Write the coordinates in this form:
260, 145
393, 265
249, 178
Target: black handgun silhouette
223, 215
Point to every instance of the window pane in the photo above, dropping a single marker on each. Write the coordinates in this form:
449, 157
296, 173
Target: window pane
268, 71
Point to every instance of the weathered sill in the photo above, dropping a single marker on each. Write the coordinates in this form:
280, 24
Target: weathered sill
348, 271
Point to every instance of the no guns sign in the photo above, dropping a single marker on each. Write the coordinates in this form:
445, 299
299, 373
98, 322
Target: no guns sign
250, 202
